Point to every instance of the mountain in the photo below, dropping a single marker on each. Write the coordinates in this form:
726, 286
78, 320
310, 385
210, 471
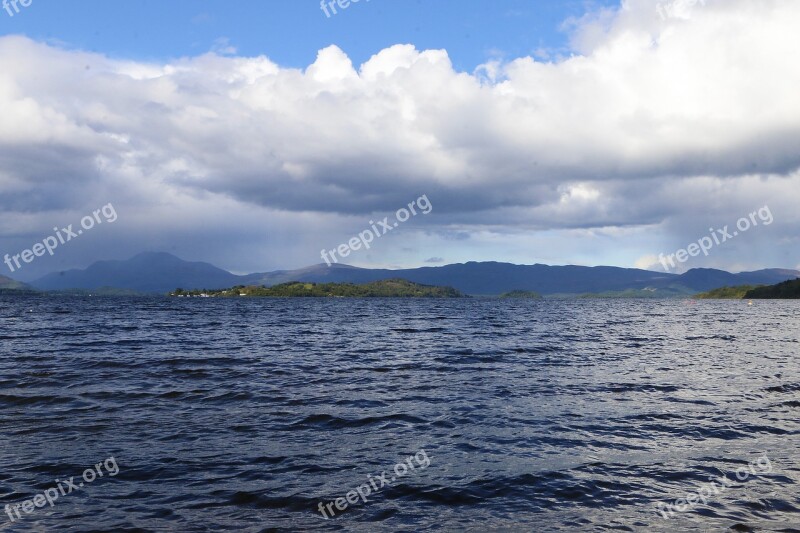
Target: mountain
10, 284
162, 272
147, 272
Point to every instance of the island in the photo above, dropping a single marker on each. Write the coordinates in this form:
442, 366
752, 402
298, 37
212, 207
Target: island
392, 288
788, 290
727, 293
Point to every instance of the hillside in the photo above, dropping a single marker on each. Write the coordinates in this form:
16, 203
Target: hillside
10, 284
788, 290
727, 293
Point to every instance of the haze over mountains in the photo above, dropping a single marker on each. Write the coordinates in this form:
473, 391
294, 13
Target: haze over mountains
162, 272
147, 272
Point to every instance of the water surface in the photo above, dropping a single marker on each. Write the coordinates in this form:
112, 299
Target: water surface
244, 415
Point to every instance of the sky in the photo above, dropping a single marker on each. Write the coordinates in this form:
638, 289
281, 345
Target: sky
254, 134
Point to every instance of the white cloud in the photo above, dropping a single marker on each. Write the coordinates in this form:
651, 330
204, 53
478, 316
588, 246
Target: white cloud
653, 125
647, 262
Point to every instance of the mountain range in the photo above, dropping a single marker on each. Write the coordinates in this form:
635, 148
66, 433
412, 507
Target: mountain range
154, 272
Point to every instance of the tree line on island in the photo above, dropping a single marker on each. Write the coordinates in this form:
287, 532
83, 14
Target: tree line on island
788, 290
392, 288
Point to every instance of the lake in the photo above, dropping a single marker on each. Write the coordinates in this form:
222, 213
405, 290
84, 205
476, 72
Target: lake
398, 415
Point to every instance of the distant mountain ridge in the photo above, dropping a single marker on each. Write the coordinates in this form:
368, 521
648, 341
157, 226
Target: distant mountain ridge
162, 272
492, 278
149, 272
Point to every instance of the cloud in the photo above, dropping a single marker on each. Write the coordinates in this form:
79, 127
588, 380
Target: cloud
222, 46
663, 124
646, 262
434, 260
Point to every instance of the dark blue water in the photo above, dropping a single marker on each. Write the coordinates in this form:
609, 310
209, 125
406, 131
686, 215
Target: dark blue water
245, 415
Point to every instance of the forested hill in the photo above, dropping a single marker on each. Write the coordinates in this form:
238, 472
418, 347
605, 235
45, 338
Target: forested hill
393, 288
